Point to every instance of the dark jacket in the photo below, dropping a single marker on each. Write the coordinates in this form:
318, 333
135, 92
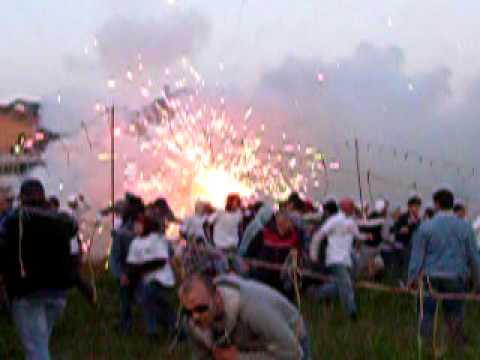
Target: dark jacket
405, 221
121, 240
43, 251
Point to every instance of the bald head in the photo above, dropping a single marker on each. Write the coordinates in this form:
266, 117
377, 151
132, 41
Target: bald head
193, 281
199, 300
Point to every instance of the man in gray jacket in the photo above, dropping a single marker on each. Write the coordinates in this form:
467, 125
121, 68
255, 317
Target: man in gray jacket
233, 318
445, 255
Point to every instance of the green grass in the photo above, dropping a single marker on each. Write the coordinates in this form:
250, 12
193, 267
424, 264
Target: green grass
386, 329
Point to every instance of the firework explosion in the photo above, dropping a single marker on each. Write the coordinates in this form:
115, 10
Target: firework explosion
187, 148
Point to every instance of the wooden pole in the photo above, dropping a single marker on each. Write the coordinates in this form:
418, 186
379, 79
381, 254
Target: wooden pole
357, 159
112, 161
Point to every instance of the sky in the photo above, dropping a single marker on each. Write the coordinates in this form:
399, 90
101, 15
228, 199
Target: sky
402, 73
42, 35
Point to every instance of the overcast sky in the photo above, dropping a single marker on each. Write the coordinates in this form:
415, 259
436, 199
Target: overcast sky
248, 36
400, 72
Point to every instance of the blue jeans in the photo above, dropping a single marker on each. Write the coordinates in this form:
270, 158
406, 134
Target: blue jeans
34, 318
453, 310
342, 287
152, 296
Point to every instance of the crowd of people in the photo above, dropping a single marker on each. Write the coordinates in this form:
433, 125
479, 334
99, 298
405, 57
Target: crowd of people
233, 307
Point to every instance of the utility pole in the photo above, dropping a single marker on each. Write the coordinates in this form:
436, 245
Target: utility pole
112, 161
357, 159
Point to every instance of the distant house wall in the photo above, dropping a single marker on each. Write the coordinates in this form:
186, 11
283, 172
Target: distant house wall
10, 128
16, 118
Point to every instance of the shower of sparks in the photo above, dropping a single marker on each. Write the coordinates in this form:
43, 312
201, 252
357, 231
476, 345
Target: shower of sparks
188, 149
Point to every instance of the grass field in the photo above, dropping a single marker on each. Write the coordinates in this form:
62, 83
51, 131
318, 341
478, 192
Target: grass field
386, 329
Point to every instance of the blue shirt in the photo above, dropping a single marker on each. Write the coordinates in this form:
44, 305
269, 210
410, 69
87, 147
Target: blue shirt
445, 247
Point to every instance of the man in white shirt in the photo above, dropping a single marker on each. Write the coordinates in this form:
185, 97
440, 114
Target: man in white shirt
150, 272
340, 230
192, 228
226, 229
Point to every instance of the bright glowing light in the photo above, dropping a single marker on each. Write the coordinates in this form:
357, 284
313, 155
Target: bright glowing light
111, 83
39, 136
145, 92
29, 144
334, 165
214, 184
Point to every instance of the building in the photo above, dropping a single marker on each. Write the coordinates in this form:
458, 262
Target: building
22, 140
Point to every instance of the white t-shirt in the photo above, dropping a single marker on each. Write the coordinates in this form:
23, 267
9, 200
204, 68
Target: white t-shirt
192, 227
152, 247
340, 231
225, 230
476, 228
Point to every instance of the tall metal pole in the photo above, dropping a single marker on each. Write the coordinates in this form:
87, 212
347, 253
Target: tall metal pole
112, 161
357, 159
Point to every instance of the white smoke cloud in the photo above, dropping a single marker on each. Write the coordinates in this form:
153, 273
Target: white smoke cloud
159, 42
370, 96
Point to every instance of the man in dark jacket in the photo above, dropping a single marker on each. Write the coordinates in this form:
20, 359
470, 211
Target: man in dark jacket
405, 227
121, 240
35, 263
275, 242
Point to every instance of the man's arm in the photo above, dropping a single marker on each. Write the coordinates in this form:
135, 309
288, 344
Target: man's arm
317, 239
473, 257
199, 348
119, 251
3, 245
358, 235
141, 269
8, 229
282, 342
250, 233
417, 257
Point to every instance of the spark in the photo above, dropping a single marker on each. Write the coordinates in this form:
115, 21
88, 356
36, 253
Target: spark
389, 22
145, 92
248, 114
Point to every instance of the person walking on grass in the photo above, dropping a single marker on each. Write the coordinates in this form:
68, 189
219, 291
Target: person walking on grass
150, 273
341, 231
121, 240
36, 264
444, 255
